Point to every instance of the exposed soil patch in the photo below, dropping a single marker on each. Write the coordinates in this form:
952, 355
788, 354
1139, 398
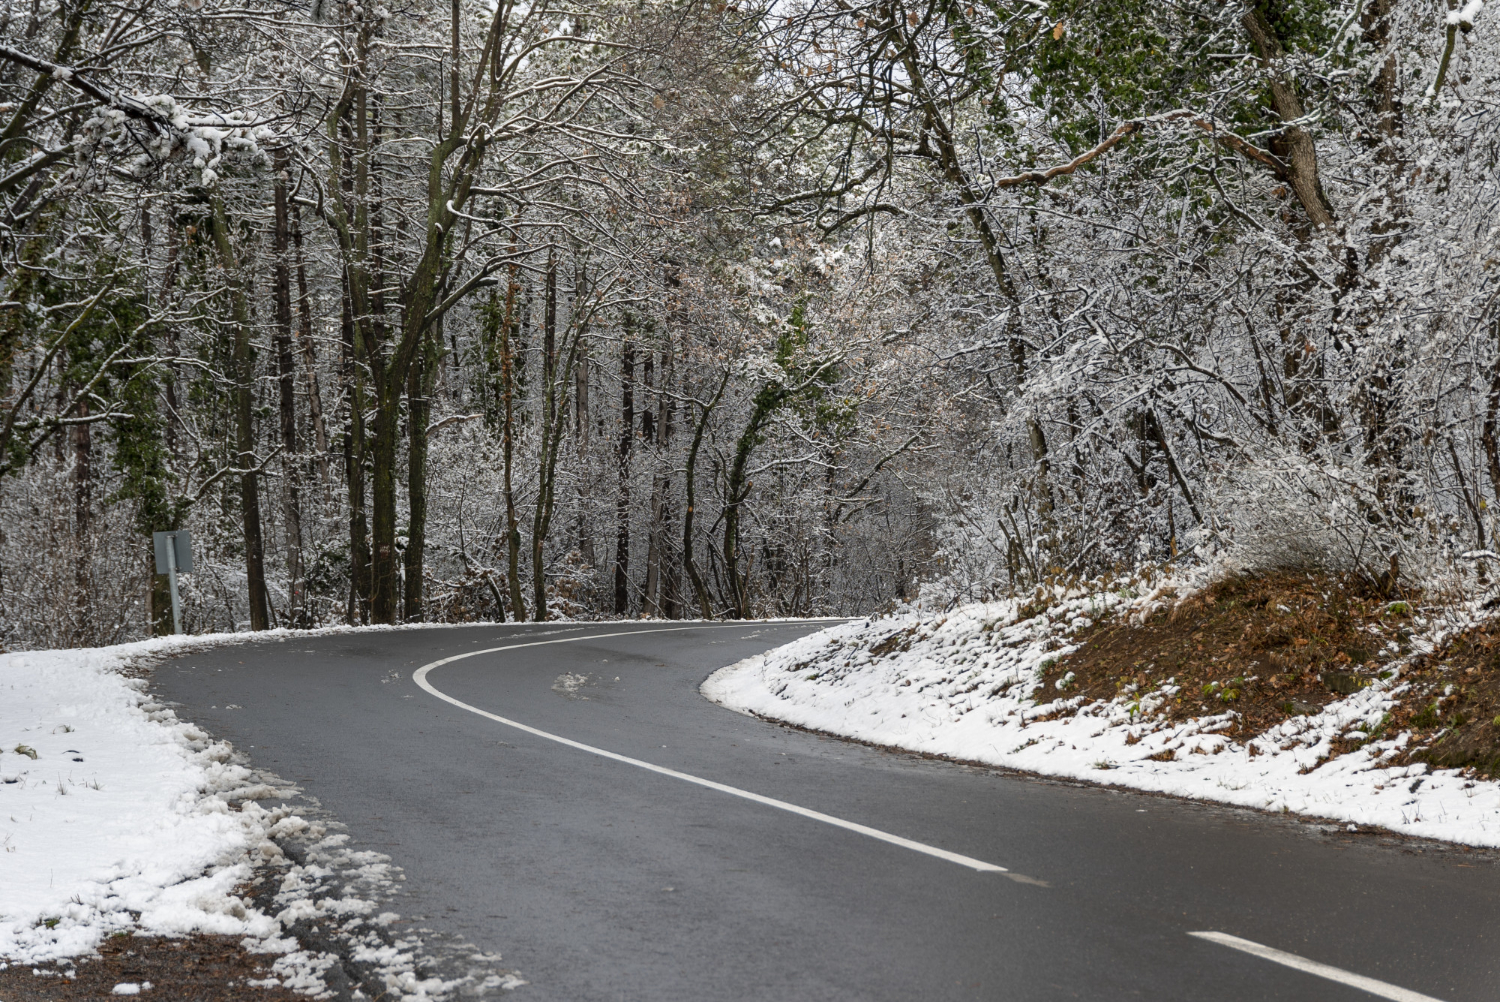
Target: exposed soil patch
1453, 705
1265, 646
895, 643
192, 969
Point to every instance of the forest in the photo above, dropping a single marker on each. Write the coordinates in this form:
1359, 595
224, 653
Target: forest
531, 309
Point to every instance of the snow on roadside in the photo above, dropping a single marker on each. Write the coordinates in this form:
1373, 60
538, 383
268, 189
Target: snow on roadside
111, 806
965, 685
117, 816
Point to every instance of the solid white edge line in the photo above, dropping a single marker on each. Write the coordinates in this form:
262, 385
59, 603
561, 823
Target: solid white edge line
1343, 977
420, 677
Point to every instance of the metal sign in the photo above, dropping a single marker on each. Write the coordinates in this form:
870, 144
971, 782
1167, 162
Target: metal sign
174, 555
174, 546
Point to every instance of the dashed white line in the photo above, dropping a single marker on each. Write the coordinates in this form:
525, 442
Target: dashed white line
420, 677
1380, 988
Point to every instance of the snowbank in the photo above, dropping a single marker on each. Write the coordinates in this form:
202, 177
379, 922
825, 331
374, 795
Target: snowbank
964, 685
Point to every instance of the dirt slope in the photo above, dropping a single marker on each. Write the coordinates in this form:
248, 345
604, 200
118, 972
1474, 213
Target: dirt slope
1279, 645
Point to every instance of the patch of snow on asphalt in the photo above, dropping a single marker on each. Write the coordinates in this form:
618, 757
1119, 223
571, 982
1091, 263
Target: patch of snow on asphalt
569, 684
965, 685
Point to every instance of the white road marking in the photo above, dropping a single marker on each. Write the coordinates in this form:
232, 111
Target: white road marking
420, 677
1343, 977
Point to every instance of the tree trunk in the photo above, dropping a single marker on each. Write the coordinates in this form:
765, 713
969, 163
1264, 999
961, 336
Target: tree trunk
255, 564
388, 378
1295, 145
168, 280
354, 474
419, 413
305, 336
541, 515
655, 543
1489, 435
159, 599
83, 442
244, 427
700, 590
581, 446
291, 469
648, 386
555, 408
657, 432
622, 498
1043, 467
383, 446
767, 401
649, 600
669, 590
507, 390
1376, 28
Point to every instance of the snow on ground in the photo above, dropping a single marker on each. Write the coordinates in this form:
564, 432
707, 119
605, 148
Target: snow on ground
110, 806
116, 816
965, 685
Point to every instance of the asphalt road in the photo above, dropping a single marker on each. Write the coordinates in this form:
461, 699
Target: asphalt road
600, 880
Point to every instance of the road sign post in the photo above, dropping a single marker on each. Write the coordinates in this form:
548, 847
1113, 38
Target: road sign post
174, 555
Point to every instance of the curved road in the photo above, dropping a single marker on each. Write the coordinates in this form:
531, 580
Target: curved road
599, 879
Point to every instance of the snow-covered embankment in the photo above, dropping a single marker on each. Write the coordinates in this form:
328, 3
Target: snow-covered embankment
966, 685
